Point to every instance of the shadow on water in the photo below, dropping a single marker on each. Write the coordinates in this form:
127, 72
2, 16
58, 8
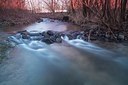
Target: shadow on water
75, 63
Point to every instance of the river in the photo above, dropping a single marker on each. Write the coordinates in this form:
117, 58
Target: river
74, 63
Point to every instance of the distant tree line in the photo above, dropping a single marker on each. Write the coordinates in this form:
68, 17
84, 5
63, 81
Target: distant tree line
12, 4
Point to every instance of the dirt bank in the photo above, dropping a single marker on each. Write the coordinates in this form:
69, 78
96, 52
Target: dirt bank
10, 18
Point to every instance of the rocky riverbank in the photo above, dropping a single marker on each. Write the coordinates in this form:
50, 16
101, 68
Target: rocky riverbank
94, 31
51, 37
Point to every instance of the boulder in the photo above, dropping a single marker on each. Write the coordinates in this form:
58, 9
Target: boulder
50, 33
47, 40
58, 35
85, 38
24, 36
45, 34
58, 40
75, 34
65, 18
40, 20
53, 38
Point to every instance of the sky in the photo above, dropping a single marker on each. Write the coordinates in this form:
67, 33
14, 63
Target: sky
39, 5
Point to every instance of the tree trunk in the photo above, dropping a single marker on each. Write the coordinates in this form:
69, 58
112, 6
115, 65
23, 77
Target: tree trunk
123, 10
71, 7
84, 8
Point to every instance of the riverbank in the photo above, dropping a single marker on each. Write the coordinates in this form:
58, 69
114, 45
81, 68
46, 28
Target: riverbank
12, 18
4, 46
93, 28
17, 19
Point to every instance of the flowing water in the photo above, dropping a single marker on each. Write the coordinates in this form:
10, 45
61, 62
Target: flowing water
75, 62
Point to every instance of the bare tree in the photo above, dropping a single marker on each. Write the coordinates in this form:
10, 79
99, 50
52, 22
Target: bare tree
15, 4
84, 7
123, 10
